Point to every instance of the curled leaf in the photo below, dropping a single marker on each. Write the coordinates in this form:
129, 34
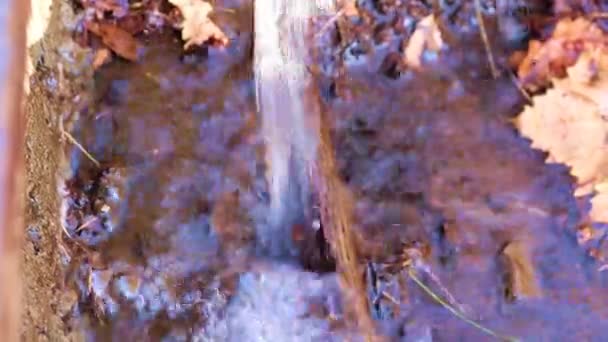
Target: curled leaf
550, 59
115, 38
569, 122
426, 37
197, 28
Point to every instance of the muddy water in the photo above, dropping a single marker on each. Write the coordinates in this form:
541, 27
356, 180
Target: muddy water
163, 236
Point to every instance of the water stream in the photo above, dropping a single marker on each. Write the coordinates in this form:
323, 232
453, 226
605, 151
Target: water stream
290, 129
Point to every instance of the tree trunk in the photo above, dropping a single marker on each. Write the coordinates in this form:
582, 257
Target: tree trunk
13, 20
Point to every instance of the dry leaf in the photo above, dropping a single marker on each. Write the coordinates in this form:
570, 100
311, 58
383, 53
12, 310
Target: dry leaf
426, 37
115, 38
599, 207
549, 59
349, 8
102, 57
569, 122
523, 280
40, 14
197, 28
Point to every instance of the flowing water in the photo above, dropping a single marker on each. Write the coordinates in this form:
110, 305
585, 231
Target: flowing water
289, 126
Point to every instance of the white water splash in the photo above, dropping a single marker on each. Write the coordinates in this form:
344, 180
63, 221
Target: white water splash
289, 130
272, 304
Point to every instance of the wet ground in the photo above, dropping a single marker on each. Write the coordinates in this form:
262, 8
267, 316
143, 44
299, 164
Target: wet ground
163, 234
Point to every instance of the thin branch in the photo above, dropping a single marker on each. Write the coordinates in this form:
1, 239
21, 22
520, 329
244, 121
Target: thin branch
486, 41
80, 147
599, 15
454, 311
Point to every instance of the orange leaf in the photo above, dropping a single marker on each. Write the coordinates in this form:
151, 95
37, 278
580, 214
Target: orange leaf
117, 39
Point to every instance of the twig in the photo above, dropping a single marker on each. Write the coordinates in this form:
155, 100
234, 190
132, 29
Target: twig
521, 89
223, 9
86, 223
454, 311
82, 149
484, 37
449, 297
331, 20
599, 15
389, 297
65, 230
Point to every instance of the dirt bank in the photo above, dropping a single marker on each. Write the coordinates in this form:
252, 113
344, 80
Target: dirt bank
60, 77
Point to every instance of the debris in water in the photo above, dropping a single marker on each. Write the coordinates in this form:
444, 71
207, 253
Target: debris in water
548, 59
426, 37
484, 38
117, 8
115, 38
102, 57
80, 147
522, 280
197, 28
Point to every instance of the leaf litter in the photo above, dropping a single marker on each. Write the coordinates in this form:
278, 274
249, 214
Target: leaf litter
116, 23
197, 28
569, 121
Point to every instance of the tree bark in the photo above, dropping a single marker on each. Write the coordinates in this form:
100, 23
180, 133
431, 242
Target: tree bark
13, 21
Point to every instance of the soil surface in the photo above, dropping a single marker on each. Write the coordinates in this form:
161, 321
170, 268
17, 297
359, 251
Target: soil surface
162, 234
62, 74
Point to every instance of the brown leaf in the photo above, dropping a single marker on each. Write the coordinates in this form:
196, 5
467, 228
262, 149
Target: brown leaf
197, 28
569, 122
523, 281
115, 38
102, 56
551, 58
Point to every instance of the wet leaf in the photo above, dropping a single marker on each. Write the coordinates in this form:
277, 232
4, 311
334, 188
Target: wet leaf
426, 37
102, 56
115, 38
569, 122
523, 282
549, 59
197, 28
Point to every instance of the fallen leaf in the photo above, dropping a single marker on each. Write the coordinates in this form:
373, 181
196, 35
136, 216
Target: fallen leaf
40, 14
197, 28
115, 38
349, 8
550, 59
522, 278
556, 120
102, 57
569, 122
426, 37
